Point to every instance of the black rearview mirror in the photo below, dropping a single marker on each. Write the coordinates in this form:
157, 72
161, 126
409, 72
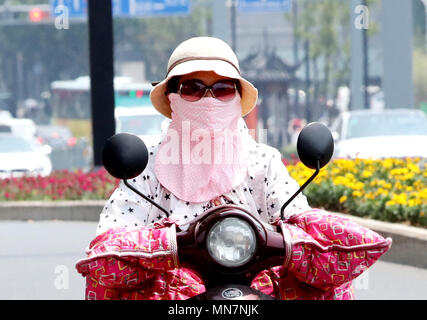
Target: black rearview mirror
315, 147
125, 156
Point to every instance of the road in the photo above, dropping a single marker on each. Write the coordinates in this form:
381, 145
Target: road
37, 263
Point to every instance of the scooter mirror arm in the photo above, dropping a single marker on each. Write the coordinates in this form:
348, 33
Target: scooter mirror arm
145, 197
282, 211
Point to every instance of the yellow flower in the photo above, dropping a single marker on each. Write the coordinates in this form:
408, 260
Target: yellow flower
381, 192
387, 186
388, 163
343, 199
390, 203
400, 198
366, 174
357, 194
370, 196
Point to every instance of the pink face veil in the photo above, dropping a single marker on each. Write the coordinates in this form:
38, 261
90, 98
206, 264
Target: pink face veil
201, 156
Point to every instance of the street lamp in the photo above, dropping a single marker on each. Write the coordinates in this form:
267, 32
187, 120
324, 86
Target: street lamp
232, 4
365, 45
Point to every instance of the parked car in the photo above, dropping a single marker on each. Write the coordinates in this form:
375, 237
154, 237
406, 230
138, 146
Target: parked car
55, 136
5, 114
19, 156
20, 126
387, 133
145, 122
68, 152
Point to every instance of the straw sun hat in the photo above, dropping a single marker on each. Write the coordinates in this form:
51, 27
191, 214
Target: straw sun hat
203, 54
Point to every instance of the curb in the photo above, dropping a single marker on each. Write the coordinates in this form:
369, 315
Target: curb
409, 243
59, 210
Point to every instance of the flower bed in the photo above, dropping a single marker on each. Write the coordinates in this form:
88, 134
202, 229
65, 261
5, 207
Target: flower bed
393, 190
60, 185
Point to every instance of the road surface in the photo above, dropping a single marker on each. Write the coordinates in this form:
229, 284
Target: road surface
37, 263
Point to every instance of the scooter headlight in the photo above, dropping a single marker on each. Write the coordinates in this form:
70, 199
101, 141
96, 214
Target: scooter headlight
231, 242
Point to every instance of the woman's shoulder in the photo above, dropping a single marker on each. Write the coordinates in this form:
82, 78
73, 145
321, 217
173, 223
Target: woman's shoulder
261, 159
264, 152
152, 152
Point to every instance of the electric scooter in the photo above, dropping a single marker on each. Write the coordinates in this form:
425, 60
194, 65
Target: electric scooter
227, 245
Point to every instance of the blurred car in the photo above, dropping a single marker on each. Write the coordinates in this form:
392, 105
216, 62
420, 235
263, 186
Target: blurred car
5, 128
145, 122
55, 136
20, 126
5, 114
19, 157
68, 152
389, 133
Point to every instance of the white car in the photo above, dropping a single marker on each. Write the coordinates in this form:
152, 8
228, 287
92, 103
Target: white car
19, 157
389, 133
20, 126
145, 122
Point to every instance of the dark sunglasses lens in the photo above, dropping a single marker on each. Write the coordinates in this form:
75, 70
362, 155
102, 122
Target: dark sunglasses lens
192, 90
224, 90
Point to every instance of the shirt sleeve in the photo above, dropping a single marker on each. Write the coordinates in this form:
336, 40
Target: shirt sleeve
280, 187
125, 208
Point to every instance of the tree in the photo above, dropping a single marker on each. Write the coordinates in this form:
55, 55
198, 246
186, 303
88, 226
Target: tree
324, 26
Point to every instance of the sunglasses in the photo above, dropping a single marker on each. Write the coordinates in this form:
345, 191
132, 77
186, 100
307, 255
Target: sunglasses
193, 90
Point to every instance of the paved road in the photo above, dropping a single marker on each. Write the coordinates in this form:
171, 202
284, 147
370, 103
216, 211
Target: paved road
37, 262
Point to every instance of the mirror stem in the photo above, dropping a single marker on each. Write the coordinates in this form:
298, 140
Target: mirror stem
282, 211
145, 197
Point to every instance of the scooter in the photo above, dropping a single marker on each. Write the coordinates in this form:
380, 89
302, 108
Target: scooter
227, 245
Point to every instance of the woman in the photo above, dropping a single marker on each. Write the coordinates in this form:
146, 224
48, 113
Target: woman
207, 158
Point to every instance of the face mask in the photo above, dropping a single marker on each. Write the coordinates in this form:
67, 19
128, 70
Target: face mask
201, 156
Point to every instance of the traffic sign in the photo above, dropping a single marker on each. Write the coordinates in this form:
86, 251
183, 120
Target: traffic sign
127, 8
252, 6
140, 8
76, 8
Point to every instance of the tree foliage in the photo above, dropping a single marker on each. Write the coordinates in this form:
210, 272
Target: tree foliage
326, 25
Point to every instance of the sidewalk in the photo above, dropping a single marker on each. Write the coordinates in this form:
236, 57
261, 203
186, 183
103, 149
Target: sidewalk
409, 243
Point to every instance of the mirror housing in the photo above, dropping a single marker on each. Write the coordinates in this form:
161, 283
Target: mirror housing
315, 145
124, 156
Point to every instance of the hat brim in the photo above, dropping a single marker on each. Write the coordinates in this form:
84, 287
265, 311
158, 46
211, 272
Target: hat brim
161, 102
